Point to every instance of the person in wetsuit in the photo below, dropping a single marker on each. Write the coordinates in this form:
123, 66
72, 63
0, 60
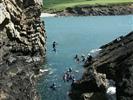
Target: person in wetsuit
54, 46
53, 86
77, 58
83, 58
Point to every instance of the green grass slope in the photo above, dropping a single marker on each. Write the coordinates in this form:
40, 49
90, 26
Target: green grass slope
57, 5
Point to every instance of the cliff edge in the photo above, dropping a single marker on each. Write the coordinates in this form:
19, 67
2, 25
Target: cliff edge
22, 48
113, 65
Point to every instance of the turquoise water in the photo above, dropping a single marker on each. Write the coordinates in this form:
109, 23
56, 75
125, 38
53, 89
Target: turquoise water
75, 35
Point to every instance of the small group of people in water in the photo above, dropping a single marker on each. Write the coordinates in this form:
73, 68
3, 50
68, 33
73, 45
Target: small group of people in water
69, 76
83, 58
77, 58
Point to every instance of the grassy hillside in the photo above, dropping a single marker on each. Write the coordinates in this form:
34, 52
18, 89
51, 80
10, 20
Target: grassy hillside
62, 4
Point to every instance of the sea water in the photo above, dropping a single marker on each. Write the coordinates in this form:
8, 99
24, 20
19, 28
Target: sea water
75, 35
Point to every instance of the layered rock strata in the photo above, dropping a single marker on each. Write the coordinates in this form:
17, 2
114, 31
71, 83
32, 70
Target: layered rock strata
22, 48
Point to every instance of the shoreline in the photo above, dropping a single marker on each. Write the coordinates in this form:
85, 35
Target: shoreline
94, 10
56, 15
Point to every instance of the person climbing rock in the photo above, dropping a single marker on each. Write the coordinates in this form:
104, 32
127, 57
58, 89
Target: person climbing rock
89, 58
78, 60
54, 46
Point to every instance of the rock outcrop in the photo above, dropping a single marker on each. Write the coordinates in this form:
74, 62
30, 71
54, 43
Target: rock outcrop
98, 10
22, 48
114, 62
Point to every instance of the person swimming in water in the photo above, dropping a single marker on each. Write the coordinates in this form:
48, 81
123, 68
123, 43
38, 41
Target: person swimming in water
65, 77
53, 86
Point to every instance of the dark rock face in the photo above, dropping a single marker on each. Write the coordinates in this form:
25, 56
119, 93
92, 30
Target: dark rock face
91, 84
28, 3
115, 60
124, 82
22, 48
98, 10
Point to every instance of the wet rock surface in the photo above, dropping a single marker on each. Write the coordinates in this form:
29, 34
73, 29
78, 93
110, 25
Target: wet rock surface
22, 48
98, 10
114, 62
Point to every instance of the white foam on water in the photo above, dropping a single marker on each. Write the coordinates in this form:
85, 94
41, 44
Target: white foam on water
111, 90
77, 71
52, 71
47, 15
94, 52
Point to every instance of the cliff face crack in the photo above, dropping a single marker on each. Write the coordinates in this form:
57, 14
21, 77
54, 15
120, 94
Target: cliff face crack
4, 23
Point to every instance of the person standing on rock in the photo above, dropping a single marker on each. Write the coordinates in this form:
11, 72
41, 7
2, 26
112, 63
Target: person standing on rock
83, 58
76, 56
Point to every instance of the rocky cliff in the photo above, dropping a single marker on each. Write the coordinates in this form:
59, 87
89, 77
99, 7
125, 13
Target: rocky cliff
114, 62
98, 10
22, 48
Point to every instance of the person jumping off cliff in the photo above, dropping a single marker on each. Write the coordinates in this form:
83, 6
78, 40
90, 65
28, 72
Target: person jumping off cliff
54, 46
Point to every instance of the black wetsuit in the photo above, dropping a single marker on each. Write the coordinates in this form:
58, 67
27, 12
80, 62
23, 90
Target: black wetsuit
54, 46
